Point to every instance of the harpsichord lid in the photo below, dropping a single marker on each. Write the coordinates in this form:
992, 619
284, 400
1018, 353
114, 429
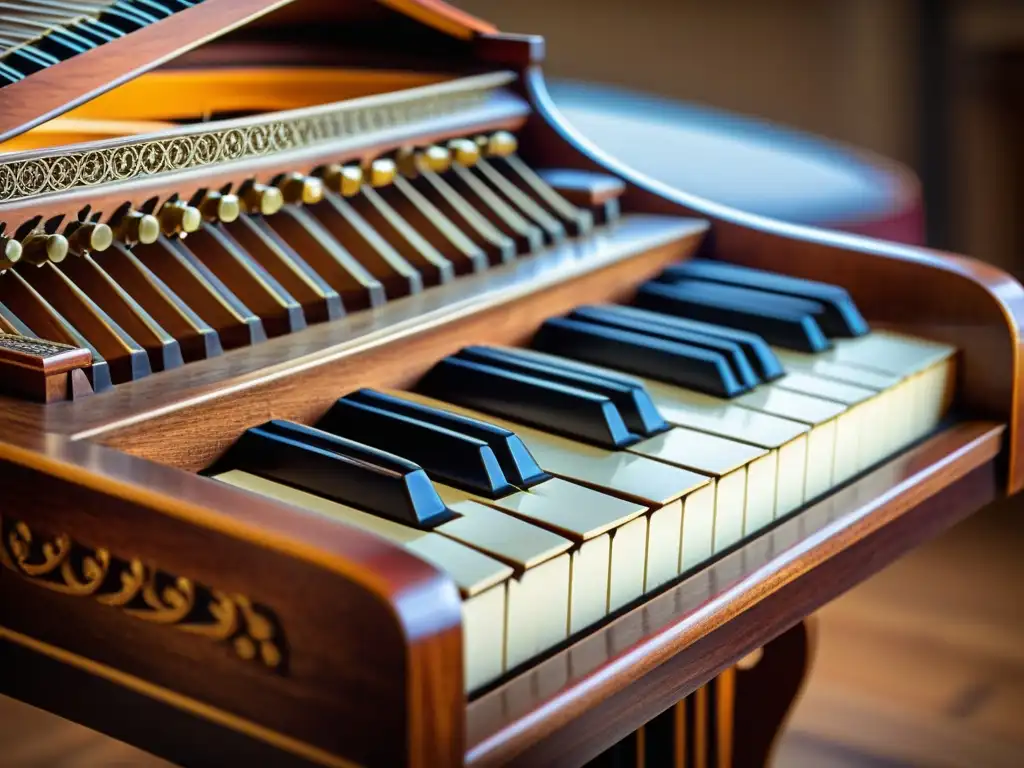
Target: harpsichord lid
86, 48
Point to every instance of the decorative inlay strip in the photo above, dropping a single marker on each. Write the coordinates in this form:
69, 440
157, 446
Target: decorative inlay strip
32, 346
44, 172
60, 564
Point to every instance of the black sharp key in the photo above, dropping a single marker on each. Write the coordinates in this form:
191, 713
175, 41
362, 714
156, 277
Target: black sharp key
515, 459
447, 456
841, 316
733, 352
155, 8
682, 364
10, 74
24, 63
338, 469
759, 354
635, 405
783, 321
553, 407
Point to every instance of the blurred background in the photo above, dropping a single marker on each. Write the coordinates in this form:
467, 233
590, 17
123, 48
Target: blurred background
745, 102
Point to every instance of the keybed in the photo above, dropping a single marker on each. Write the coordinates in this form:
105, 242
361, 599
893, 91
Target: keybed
640, 477
187, 279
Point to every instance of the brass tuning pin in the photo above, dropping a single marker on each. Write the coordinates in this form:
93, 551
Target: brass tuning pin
498, 144
179, 218
138, 227
260, 198
297, 188
437, 159
412, 162
40, 248
382, 172
90, 237
464, 152
346, 179
10, 252
218, 207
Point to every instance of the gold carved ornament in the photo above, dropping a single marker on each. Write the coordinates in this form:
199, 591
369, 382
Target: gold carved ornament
62, 565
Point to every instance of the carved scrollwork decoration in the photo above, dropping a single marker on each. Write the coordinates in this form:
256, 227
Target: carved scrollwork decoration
119, 160
60, 564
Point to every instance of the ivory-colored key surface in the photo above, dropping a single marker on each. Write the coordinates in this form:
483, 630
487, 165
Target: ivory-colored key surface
745, 488
480, 579
858, 430
718, 416
538, 596
586, 579
583, 514
661, 487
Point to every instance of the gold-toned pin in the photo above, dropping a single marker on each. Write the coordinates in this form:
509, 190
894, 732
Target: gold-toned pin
90, 237
346, 179
217, 207
40, 248
436, 158
464, 152
500, 144
382, 172
10, 252
298, 188
261, 198
179, 217
138, 227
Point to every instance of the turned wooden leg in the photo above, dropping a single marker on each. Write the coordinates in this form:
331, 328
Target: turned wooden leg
767, 686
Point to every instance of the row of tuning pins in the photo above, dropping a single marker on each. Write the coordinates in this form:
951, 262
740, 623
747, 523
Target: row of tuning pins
150, 290
179, 218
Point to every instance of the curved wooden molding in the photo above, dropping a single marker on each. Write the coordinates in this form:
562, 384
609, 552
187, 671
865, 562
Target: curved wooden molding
350, 602
951, 298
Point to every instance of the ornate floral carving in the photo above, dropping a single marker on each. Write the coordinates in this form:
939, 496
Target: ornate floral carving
62, 565
119, 160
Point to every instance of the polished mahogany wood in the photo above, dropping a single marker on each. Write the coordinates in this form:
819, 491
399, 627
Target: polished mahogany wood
58, 88
957, 300
586, 697
51, 91
368, 634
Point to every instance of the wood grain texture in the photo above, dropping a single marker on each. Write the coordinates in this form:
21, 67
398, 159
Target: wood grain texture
588, 696
400, 672
951, 298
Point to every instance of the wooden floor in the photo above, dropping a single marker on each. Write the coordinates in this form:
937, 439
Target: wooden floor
921, 666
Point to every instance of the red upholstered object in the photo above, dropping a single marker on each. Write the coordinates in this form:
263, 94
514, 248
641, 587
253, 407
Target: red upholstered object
754, 166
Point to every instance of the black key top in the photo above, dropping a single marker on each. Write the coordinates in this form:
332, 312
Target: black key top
519, 466
759, 354
733, 352
683, 364
338, 469
550, 406
447, 456
635, 405
783, 321
841, 316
